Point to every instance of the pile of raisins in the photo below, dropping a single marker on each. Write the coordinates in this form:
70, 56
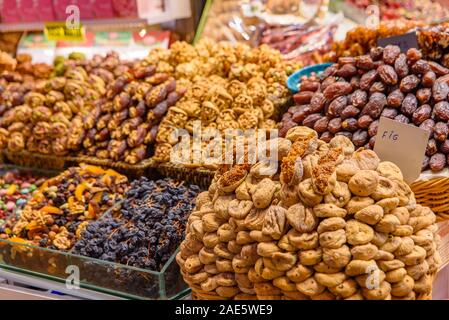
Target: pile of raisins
351, 96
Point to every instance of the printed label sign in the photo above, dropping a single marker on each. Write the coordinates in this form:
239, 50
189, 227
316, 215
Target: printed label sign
402, 144
403, 41
58, 31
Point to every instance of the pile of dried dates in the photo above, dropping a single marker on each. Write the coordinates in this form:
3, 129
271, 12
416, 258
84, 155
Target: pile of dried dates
350, 96
62, 207
330, 223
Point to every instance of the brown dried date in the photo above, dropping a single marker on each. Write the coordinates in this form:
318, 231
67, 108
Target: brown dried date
423, 95
345, 134
310, 120
334, 125
326, 136
401, 118
377, 86
364, 62
395, 98
301, 114
360, 138
371, 142
376, 53
438, 68
409, 104
349, 112
329, 71
420, 67
359, 98
372, 129
428, 125
444, 147
400, 66
390, 54
441, 110
368, 79
310, 86
387, 74
437, 162
409, 83
285, 127
355, 81
320, 125
440, 131
440, 91
421, 114
337, 89
336, 106
364, 121
428, 79
347, 70
389, 113
327, 82
349, 124
317, 102
346, 60
303, 97
414, 55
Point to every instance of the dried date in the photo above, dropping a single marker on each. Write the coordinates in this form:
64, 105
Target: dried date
334, 125
440, 91
395, 98
337, 105
437, 162
423, 95
402, 119
420, 67
364, 62
349, 112
326, 136
428, 79
355, 82
387, 74
372, 129
310, 86
438, 68
441, 110
371, 142
440, 131
317, 102
421, 114
377, 86
301, 114
390, 53
327, 82
367, 80
428, 125
425, 163
320, 125
310, 120
400, 66
347, 70
364, 121
349, 124
337, 89
345, 134
360, 138
414, 55
330, 71
303, 97
389, 113
444, 147
409, 83
409, 104
359, 98
376, 53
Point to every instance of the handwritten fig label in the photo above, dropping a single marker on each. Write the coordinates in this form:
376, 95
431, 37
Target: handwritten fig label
403, 144
404, 41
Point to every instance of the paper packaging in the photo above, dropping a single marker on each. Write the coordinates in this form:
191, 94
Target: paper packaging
402, 144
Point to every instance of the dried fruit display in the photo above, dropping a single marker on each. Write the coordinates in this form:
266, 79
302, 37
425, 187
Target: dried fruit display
332, 223
62, 207
354, 93
16, 188
147, 228
123, 125
51, 118
228, 87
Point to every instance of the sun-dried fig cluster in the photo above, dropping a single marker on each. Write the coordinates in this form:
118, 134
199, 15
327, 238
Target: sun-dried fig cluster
51, 117
332, 223
228, 87
351, 96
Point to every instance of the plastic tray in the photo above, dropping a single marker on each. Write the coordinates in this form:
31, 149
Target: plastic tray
294, 81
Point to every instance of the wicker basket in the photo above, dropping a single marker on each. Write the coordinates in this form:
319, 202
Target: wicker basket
130, 170
433, 192
34, 160
199, 176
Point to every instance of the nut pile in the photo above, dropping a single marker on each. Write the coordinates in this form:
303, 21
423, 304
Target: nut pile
124, 126
334, 223
146, 229
228, 87
62, 207
50, 119
353, 94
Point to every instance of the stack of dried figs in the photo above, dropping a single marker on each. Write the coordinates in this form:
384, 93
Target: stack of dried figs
332, 223
350, 96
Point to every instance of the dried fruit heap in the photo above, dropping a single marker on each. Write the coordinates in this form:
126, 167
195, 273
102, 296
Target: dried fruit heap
146, 230
228, 87
63, 205
334, 224
353, 94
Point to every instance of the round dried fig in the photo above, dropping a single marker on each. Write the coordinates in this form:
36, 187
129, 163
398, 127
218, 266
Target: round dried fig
364, 183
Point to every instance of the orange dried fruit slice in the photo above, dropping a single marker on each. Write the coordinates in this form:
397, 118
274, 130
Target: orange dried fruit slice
79, 191
50, 210
94, 169
97, 197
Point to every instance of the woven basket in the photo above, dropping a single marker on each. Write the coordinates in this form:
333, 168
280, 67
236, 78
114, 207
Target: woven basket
433, 193
34, 160
130, 170
199, 176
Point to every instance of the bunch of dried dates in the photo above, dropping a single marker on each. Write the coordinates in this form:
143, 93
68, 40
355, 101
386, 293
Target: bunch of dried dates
350, 96
330, 223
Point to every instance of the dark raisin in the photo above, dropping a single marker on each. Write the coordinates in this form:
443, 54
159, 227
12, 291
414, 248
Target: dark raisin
301, 114
344, 134
371, 142
349, 124
327, 82
425, 163
428, 79
438, 68
330, 71
310, 86
346, 60
364, 62
355, 81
